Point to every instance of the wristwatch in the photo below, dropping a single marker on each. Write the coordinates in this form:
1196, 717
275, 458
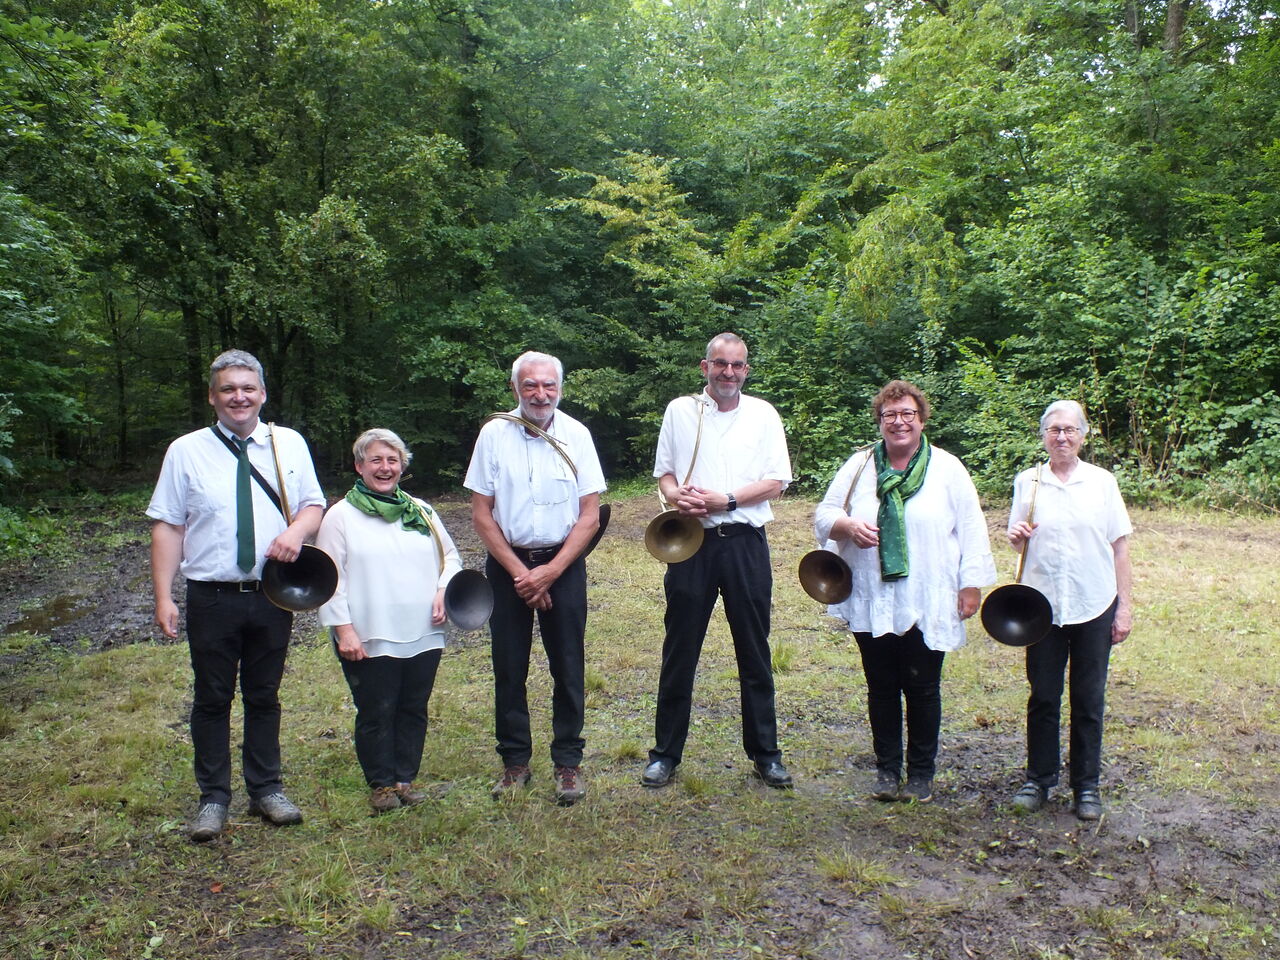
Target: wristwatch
732, 504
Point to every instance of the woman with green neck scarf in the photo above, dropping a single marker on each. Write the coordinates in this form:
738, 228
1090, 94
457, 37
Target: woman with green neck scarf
905, 516
387, 616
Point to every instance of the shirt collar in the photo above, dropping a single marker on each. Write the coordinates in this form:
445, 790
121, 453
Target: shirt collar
259, 435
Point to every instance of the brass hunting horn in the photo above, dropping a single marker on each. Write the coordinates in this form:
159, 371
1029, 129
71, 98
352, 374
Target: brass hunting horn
1016, 614
309, 581
824, 575
672, 536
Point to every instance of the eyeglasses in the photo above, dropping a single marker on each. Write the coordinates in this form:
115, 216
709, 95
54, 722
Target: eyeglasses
719, 365
893, 416
1067, 432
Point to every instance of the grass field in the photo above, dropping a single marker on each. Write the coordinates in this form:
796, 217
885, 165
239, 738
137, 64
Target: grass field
96, 789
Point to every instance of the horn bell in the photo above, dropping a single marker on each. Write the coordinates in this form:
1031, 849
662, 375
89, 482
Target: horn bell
304, 584
1017, 615
673, 537
825, 576
468, 600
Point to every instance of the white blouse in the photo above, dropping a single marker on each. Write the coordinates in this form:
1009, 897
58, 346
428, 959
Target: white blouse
947, 549
1070, 559
387, 580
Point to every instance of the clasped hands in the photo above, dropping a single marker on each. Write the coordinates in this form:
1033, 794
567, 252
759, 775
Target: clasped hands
534, 587
696, 502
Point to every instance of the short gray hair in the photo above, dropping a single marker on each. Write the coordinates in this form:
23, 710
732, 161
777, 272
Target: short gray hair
533, 356
235, 358
1065, 406
730, 338
380, 435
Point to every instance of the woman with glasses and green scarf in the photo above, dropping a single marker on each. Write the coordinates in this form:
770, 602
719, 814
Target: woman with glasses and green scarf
916, 541
387, 616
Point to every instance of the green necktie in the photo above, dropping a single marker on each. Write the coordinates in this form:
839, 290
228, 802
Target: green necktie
246, 555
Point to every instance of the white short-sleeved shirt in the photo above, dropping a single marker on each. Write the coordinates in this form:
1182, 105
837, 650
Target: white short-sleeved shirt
947, 548
387, 580
197, 491
1070, 558
535, 494
738, 447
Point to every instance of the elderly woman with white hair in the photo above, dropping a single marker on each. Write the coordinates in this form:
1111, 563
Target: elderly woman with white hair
394, 558
1079, 559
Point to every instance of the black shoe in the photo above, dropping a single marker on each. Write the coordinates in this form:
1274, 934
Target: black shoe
774, 774
276, 808
209, 821
1088, 805
658, 774
886, 786
917, 790
1030, 797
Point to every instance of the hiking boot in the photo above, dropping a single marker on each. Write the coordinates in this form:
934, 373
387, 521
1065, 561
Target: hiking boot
886, 786
571, 785
514, 776
409, 797
1029, 798
276, 808
209, 821
917, 790
384, 799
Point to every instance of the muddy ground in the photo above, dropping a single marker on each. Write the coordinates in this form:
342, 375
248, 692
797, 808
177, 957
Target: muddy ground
1160, 876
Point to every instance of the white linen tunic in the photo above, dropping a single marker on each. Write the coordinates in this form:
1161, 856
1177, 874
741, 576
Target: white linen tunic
738, 447
387, 580
535, 493
197, 491
1071, 560
947, 548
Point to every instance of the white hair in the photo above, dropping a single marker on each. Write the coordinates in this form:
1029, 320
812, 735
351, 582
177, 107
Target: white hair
1065, 406
533, 356
380, 435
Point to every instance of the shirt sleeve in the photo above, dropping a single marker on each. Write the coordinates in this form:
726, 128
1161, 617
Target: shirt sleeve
332, 539
452, 559
169, 499
664, 460
977, 567
778, 463
479, 477
1118, 524
310, 493
590, 473
831, 509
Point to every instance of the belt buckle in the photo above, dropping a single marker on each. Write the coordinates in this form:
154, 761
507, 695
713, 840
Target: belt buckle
720, 531
247, 586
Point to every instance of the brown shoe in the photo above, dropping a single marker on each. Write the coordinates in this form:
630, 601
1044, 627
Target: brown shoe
571, 785
512, 777
384, 799
409, 797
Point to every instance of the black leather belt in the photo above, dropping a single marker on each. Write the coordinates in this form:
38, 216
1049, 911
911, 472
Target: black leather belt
233, 586
732, 529
536, 554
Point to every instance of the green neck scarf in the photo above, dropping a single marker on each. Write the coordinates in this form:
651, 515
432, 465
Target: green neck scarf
399, 506
894, 487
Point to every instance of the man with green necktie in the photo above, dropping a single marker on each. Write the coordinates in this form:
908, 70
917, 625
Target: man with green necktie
218, 517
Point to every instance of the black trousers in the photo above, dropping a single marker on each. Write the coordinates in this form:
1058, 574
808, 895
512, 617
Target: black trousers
391, 694
1088, 648
902, 668
563, 629
230, 633
735, 567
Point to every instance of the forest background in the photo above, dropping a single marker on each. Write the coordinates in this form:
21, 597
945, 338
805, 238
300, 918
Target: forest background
1006, 201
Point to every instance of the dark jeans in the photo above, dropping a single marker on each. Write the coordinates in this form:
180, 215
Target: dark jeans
563, 629
735, 567
1088, 647
902, 668
230, 633
391, 694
